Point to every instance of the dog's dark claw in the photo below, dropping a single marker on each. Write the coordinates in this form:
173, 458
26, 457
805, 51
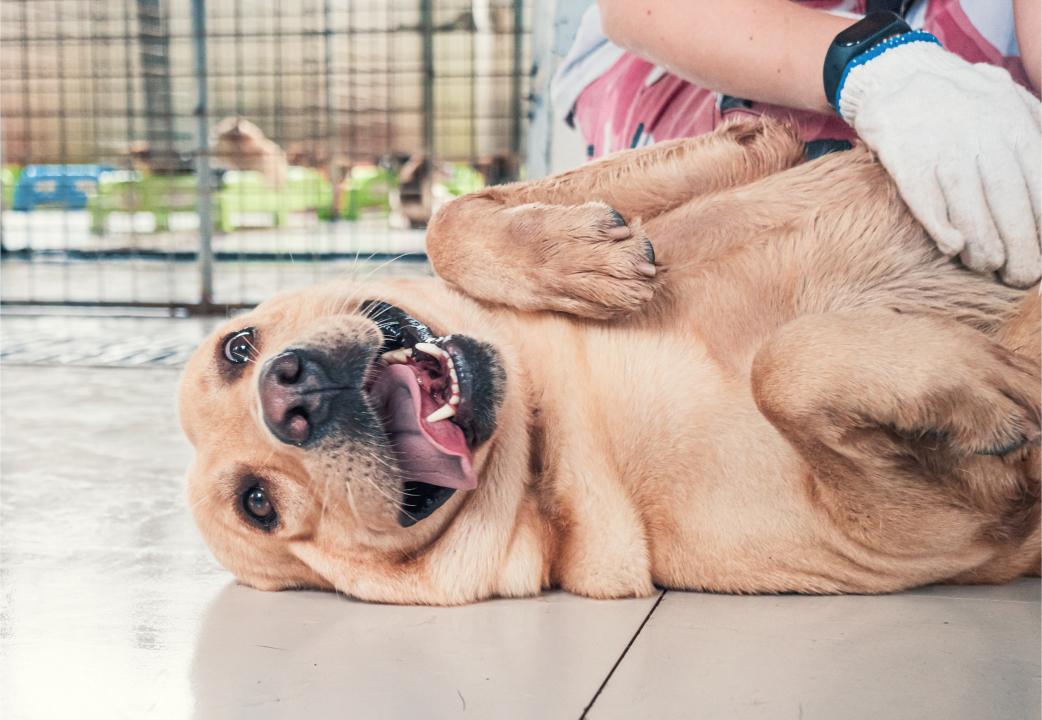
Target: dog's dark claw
1012, 447
619, 220
649, 251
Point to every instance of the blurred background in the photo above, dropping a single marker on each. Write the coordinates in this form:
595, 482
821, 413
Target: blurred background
191, 157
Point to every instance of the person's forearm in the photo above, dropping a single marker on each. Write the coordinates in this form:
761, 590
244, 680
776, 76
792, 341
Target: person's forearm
764, 50
1028, 15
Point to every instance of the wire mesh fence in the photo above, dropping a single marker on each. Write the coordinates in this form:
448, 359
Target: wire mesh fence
179, 153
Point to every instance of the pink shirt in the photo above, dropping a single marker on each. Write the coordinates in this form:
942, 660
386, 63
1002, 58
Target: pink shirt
633, 102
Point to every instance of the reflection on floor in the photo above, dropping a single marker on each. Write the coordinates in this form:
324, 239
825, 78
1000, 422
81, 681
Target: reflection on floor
112, 607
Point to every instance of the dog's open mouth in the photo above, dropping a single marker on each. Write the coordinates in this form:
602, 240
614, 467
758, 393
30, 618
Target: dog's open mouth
420, 388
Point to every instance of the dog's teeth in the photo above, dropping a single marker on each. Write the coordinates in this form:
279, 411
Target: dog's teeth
429, 348
455, 380
399, 356
442, 413
454, 400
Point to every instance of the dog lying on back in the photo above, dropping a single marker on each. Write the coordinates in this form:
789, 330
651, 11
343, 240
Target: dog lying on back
701, 365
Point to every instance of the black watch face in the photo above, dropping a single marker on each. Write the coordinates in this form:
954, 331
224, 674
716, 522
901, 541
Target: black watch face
870, 27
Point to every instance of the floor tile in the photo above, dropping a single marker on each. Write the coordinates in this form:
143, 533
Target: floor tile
945, 653
315, 655
1026, 591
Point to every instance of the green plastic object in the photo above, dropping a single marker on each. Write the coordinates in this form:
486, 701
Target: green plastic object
463, 179
129, 191
244, 194
369, 189
9, 175
249, 194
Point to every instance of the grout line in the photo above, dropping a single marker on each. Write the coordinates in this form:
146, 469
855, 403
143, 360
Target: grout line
625, 650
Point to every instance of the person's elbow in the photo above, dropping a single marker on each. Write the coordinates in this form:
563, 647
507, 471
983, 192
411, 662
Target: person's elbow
619, 21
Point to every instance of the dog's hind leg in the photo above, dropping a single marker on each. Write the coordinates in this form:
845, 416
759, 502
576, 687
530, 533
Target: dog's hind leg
922, 434
573, 242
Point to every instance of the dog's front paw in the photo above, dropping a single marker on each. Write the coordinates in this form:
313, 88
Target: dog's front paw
605, 562
590, 262
608, 583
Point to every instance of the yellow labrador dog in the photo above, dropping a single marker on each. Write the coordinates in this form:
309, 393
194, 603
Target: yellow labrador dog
789, 390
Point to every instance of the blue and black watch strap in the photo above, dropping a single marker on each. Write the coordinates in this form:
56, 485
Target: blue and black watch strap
859, 38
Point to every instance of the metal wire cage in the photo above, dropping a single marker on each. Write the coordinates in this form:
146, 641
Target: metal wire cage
185, 154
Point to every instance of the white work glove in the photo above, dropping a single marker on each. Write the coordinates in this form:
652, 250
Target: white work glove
963, 143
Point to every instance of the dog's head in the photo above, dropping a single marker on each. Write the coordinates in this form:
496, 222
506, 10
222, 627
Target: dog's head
235, 137
338, 423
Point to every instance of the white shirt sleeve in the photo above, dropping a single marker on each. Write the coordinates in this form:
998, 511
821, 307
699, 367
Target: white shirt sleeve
590, 56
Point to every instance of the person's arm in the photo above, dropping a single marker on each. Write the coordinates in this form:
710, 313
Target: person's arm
959, 139
1028, 17
764, 50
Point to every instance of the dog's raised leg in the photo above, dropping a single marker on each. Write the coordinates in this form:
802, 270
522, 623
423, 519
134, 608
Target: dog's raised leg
923, 438
573, 242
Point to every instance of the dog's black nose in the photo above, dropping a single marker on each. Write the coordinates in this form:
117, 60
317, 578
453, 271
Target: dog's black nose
296, 396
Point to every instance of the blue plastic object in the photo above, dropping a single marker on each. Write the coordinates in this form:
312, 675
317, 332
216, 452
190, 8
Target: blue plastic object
63, 186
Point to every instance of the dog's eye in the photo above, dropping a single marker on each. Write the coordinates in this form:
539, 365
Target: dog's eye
258, 507
239, 346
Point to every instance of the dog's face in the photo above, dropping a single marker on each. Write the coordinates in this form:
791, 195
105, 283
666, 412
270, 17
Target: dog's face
338, 423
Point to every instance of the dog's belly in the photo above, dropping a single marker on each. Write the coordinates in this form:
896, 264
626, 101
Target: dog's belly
726, 501
723, 498
656, 447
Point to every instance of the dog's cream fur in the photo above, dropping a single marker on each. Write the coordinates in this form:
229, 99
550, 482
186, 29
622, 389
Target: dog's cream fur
805, 396
241, 145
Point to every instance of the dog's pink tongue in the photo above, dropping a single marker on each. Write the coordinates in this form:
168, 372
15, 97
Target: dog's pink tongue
434, 453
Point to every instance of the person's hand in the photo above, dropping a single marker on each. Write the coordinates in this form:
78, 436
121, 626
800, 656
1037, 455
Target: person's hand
963, 143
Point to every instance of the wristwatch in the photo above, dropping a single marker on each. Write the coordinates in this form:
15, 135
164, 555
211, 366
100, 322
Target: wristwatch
859, 38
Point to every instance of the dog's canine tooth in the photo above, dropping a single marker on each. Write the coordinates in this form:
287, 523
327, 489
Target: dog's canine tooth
430, 349
399, 356
442, 413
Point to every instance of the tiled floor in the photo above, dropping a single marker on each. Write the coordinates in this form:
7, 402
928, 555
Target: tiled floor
111, 607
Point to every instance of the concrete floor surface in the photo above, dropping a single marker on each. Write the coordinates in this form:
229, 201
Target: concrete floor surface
111, 607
